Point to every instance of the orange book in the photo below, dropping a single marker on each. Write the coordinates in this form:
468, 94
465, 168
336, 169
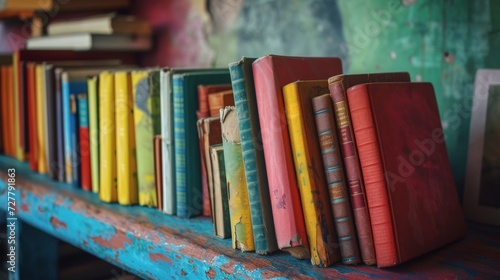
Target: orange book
219, 100
32, 124
203, 92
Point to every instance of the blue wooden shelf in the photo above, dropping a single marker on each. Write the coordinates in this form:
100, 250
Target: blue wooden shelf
151, 244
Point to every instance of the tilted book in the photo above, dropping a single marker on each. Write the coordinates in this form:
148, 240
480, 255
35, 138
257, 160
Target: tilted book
239, 210
271, 74
309, 170
338, 87
411, 194
253, 156
189, 193
334, 172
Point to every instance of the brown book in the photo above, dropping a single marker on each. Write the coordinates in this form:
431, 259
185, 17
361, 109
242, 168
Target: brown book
219, 100
207, 209
212, 136
338, 87
158, 171
334, 171
203, 92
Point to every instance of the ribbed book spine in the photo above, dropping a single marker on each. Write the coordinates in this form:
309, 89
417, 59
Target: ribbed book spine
253, 159
125, 140
180, 146
107, 138
239, 210
145, 121
353, 171
334, 171
83, 118
310, 180
371, 164
93, 100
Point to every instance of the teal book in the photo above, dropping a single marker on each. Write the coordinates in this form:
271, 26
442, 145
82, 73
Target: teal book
189, 197
253, 156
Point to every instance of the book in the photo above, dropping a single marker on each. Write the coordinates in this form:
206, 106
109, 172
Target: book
41, 117
211, 135
32, 115
93, 102
107, 138
110, 23
271, 73
189, 196
338, 87
59, 123
335, 180
158, 175
203, 92
253, 156
50, 122
239, 208
311, 179
26, 5
83, 127
207, 205
7, 110
126, 160
219, 100
220, 217
411, 194
87, 41
147, 120
481, 198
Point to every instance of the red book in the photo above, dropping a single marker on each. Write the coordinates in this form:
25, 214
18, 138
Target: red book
31, 97
338, 86
412, 197
83, 118
203, 92
219, 100
271, 73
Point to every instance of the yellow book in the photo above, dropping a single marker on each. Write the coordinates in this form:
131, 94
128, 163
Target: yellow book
94, 131
40, 118
239, 206
18, 149
318, 215
143, 87
107, 139
125, 139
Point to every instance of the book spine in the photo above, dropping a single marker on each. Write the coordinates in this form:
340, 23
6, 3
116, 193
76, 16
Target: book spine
107, 138
40, 100
353, 171
258, 190
144, 133
371, 165
59, 127
158, 170
84, 142
18, 105
312, 187
207, 205
126, 171
221, 218
33, 140
286, 206
169, 196
180, 146
7, 109
93, 101
334, 171
50, 122
239, 210
75, 141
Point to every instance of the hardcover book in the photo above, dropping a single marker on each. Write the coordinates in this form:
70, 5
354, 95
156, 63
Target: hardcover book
239, 210
253, 156
32, 114
334, 172
271, 73
83, 118
212, 135
308, 168
50, 122
338, 87
41, 117
158, 175
219, 100
221, 220
93, 100
187, 160
126, 160
411, 194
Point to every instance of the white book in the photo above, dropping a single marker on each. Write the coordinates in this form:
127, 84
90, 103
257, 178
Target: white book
87, 41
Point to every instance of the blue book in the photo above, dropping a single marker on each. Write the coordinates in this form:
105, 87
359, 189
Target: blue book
253, 156
189, 197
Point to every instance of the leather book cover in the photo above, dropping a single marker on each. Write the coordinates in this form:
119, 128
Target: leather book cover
335, 179
412, 198
239, 208
253, 156
311, 181
83, 128
189, 195
211, 129
338, 87
219, 100
158, 176
271, 73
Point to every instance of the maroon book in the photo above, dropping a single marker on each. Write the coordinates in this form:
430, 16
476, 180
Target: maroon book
411, 194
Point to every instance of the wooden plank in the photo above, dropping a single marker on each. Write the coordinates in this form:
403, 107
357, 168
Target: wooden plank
151, 244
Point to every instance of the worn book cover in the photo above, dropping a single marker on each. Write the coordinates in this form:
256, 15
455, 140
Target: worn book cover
411, 194
221, 220
219, 100
83, 130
